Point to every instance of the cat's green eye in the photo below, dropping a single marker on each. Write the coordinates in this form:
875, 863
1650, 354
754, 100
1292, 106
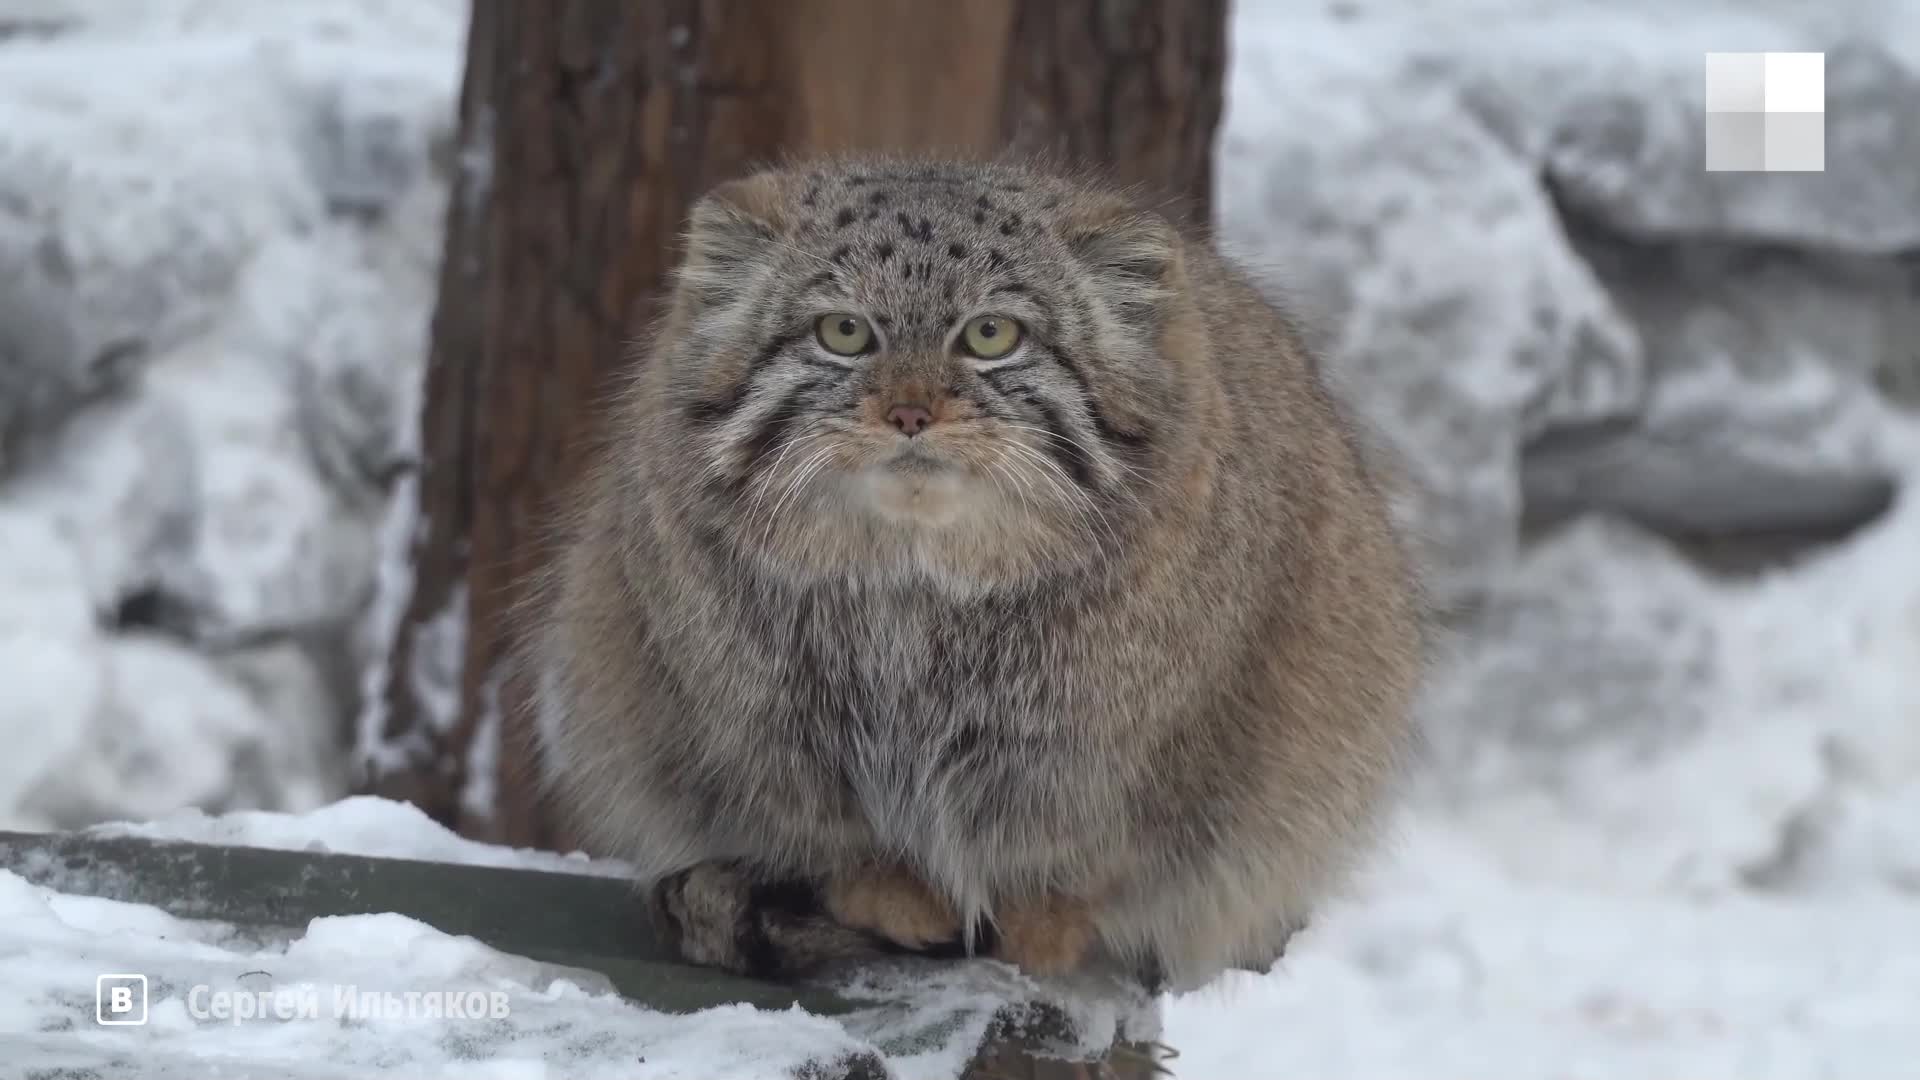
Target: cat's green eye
990, 337
844, 334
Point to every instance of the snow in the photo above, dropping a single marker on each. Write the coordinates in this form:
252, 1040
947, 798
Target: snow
386, 611
53, 946
231, 217
1679, 838
333, 1000
1503, 979
1742, 907
1448, 962
357, 825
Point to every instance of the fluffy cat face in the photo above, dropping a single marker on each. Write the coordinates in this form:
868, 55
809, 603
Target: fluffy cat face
949, 370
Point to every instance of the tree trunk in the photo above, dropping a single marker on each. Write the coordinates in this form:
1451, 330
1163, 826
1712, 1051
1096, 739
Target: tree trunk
588, 127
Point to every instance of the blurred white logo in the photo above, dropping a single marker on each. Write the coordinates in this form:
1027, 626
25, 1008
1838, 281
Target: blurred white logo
1766, 112
120, 1000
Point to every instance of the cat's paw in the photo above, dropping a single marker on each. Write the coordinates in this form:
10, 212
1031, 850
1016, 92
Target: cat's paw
723, 914
896, 904
1053, 935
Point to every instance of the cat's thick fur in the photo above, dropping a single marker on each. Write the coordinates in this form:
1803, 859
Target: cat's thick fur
1114, 660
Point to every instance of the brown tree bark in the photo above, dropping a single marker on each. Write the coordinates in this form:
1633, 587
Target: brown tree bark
587, 129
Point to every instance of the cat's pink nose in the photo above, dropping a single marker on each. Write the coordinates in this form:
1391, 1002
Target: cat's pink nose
909, 420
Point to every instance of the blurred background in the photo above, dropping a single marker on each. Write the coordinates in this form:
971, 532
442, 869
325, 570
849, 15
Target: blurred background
1658, 427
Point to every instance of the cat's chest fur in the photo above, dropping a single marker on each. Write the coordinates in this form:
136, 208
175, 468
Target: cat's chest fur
936, 714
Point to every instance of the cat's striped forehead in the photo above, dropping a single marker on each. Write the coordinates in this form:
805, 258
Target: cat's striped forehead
924, 244
976, 200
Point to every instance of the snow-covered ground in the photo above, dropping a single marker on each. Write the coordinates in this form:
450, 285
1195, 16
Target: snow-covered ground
333, 1002
1446, 964
1457, 968
1672, 822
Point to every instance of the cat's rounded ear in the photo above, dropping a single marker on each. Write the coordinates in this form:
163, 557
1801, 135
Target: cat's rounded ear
1134, 254
730, 229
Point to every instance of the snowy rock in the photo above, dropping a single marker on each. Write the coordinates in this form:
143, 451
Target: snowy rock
1629, 153
296, 689
147, 219
1383, 202
119, 486
274, 551
42, 579
1768, 409
217, 260
1599, 644
1696, 702
368, 142
168, 733
45, 370
1616, 718
163, 729
370, 303
1538, 294
48, 652
1582, 727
